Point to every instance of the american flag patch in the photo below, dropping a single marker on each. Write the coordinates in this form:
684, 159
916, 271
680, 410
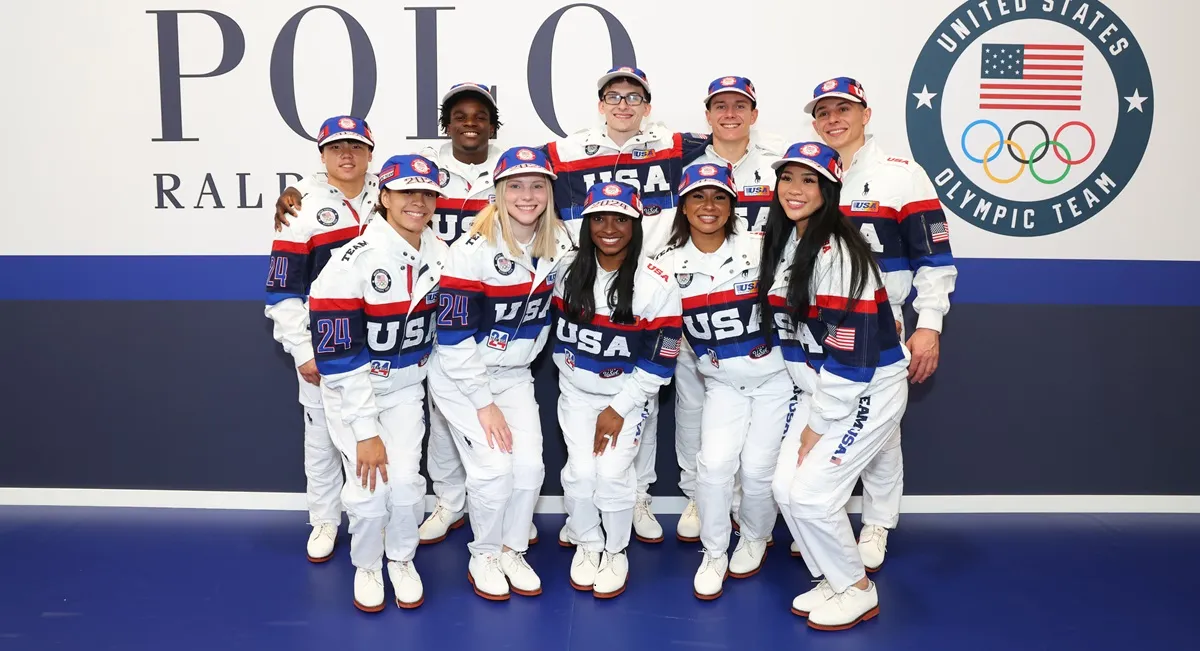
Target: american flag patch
940, 231
835, 461
840, 338
669, 347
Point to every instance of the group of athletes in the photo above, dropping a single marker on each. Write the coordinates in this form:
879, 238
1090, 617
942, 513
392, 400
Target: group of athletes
767, 284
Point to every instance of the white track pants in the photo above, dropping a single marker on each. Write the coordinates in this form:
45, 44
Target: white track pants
598, 490
502, 488
322, 469
445, 468
389, 517
689, 406
883, 478
647, 450
740, 435
813, 496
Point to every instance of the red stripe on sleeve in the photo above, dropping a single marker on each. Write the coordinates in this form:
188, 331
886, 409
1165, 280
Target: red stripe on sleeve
863, 306
333, 237
450, 282
928, 205
335, 304
283, 246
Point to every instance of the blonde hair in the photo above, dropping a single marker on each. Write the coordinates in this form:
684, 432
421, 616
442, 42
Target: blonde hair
495, 217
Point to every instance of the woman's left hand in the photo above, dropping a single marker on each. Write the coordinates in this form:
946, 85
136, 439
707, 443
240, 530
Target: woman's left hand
808, 440
608, 426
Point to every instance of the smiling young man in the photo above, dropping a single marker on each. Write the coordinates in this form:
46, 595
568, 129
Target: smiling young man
340, 199
897, 210
731, 110
646, 155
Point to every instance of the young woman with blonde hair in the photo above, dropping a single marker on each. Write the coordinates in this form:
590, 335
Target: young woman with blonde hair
493, 320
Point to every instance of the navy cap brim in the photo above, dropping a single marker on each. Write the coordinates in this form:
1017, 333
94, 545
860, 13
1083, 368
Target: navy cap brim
345, 135
807, 162
455, 92
611, 205
617, 75
808, 108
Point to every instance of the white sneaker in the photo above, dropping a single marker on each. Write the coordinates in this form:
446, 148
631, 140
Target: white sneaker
612, 576
438, 524
688, 529
564, 537
845, 610
710, 578
521, 577
321, 542
368, 590
645, 526
487, 577
533, 538
406, 583
872, 546
796, 550
583, 569
747, 558
804, 604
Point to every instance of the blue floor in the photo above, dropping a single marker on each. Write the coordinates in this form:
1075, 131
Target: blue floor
174, 580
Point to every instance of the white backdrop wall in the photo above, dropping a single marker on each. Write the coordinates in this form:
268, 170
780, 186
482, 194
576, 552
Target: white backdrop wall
86, 103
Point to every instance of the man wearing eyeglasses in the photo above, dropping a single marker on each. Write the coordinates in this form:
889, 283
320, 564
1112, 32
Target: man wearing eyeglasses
629, 148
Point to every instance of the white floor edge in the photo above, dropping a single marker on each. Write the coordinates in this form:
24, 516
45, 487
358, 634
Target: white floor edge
551, 504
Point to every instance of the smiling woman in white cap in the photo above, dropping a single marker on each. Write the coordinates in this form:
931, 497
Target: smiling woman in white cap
821, 291
616, 338
747, 391
493, 320
372, 331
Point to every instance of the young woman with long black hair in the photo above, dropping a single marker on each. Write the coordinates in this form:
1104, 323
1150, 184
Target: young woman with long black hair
747, 390
820, 290
617, 334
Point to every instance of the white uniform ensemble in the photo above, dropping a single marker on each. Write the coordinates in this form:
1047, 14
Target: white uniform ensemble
848, 360
373, 333
467, 189
326, 221
897, 210
754, 181
493, 320
746, 400
604, 364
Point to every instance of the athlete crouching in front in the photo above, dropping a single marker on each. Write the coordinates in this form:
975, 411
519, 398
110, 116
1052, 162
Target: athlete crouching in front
493, 320
820, 290
616, 338
372, 330
747, 389
343, 197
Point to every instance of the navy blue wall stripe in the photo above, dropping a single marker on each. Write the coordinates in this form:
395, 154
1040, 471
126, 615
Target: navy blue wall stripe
219, 278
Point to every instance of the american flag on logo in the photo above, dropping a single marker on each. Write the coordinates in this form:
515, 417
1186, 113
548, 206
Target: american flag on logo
1045, 77
669, 347
840, 338
940, 231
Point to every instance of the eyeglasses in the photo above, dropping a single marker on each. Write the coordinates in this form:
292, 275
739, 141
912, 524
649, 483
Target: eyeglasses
633, 99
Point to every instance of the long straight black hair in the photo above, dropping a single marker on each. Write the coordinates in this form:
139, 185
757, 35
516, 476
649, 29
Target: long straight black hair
579, 298
826, 223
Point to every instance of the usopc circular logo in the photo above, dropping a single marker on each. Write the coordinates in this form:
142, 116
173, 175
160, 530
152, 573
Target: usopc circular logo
1030, 117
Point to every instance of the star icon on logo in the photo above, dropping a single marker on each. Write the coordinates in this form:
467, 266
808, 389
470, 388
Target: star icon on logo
924, 98
1135, 101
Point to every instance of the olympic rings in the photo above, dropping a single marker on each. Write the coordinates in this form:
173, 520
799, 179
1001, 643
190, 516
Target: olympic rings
1039, 151
1066, 170
996, 146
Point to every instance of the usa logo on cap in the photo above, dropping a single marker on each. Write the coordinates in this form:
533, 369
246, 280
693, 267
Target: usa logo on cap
843, 87
410, 173
707, 174
816, 156
420, 166
345, 127
523, 160
732, 84
617, 197
347, 123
